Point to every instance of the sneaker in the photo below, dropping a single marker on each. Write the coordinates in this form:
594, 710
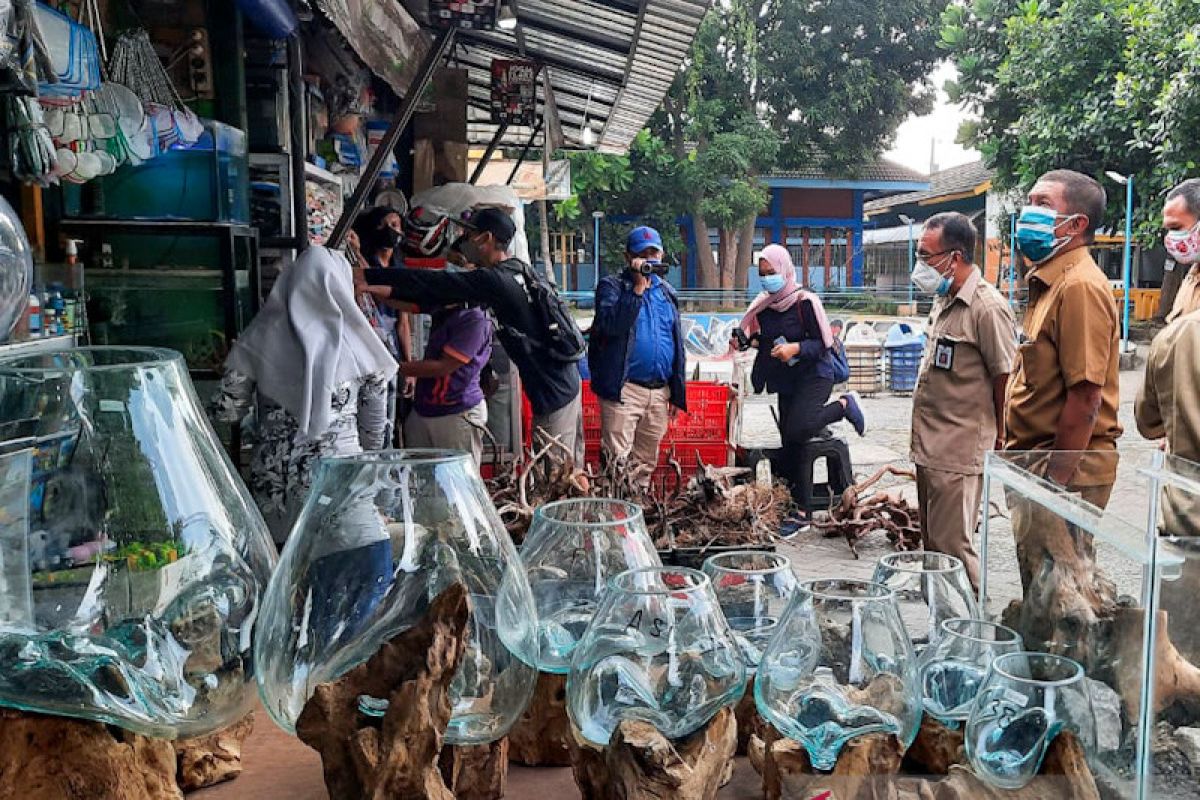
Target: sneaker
793, 526
854, 413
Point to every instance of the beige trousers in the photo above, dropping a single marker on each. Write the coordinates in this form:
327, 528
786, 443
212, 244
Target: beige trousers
949, 503
633, 428
453, 432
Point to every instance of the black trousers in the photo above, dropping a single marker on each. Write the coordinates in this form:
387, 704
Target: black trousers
803, 413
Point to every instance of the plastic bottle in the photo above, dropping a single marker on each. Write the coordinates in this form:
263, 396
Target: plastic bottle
35, 316
49, 324
59, 305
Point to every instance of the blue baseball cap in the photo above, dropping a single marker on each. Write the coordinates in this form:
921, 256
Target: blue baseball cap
642, 238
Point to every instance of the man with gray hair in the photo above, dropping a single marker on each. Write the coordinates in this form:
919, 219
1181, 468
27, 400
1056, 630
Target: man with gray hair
1181, 221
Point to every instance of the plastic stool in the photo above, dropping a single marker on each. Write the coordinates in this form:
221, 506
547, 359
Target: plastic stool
820, 496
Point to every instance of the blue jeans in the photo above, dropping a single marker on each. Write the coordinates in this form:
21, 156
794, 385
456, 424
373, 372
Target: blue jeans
347, 586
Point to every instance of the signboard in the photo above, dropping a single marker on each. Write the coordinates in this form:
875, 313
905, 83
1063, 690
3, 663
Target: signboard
473, 15
514, 91
530, 183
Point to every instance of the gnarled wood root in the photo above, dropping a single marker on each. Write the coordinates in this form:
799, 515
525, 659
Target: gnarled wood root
212, 759
542, 736
642, 763
478, 772
396, 756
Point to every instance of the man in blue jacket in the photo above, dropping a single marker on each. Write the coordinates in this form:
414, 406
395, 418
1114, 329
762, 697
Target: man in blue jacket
636, 354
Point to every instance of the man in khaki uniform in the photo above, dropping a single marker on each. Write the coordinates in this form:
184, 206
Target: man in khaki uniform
1181, 220
1063, 398
958, 405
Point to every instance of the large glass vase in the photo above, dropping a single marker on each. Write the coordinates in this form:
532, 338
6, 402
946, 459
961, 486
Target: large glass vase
953, 668
573, 548
1026, 701
840, 666
143, 555
753, 589
381, 535
658, 650
930, 588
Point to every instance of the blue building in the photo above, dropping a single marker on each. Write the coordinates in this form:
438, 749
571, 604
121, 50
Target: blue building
819, 218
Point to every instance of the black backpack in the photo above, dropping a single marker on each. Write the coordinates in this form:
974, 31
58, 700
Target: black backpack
563, 341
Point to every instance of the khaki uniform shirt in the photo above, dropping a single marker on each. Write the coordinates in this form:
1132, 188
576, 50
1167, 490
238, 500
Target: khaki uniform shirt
1168, 405
971, 338
1187, 299
1072, 335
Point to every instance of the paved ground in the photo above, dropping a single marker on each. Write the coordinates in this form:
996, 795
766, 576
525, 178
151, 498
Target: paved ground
279, 766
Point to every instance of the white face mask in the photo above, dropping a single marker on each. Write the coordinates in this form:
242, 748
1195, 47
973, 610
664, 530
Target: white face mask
928, 279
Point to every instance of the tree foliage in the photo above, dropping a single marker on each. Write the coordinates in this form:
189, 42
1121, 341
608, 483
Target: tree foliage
1090, 85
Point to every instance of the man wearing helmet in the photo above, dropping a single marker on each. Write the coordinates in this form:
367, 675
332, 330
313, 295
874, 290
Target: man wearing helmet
508, 287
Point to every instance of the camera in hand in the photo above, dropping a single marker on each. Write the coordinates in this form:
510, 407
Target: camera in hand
649, 268
744, 342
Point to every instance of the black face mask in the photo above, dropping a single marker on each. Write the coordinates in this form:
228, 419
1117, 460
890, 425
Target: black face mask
390, 238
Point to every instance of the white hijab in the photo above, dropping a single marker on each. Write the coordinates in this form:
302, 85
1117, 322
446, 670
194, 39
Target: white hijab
309, 338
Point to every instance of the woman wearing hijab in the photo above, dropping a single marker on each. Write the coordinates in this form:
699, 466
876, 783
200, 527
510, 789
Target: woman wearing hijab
792, 333
317, 374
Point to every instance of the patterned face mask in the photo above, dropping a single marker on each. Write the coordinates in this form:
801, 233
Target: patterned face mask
1183, 246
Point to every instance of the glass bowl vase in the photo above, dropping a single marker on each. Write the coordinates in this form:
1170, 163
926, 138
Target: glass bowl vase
840, 666
953, 668
381, 535
658, 649
753, 588
573, 548
1026, 700
131, 556
930, 589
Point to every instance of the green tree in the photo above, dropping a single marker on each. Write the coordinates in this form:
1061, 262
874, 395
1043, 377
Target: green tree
1089, 85
783, 84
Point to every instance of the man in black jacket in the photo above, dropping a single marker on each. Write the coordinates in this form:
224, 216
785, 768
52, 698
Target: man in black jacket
500, 282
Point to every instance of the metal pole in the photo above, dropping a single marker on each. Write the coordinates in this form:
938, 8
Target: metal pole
433, 60
596, 250
487, 154
1012, 259
524, 152
910, 268
1128, 259
299, 141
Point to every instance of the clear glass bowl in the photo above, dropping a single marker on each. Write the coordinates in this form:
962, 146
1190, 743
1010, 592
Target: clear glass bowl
133, 557
16, 269
840, 666
753, 589
930, 588
381, 535
953, 668
573, 548
1027, 699
659, 650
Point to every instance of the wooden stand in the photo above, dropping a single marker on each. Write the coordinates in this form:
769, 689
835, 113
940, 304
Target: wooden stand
56, 758
749, 723
1064, 776
935, 750
542, 736
212, 759
642, 763
396, 756
864, 771
479, 772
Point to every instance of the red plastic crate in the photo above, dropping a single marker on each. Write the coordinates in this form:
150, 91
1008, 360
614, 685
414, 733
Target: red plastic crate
688, 454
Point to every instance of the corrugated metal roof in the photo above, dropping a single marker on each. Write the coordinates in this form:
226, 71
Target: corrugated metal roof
879, 170
609, 60
952, 181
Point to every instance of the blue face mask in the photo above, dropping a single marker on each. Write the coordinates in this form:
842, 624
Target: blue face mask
772, 283
1036, 237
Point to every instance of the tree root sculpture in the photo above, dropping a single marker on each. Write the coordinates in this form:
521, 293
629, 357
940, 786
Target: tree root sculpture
859, 514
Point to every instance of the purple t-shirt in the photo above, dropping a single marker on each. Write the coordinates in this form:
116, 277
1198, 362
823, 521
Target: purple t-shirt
464, 334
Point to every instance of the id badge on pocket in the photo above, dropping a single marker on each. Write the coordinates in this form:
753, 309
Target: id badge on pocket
943, 354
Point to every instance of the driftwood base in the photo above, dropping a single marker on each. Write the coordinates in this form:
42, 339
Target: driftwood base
749, 721
396, 756
642, 763
542, 736
212, 759
478, 772
1064, 776
56, 758
865, 770
935, 750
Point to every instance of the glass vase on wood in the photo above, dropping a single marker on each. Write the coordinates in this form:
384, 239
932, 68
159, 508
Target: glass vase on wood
840, 666
753, 589
658, 649
953, 668
573, 548
381, 535
143, 553
930, 588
